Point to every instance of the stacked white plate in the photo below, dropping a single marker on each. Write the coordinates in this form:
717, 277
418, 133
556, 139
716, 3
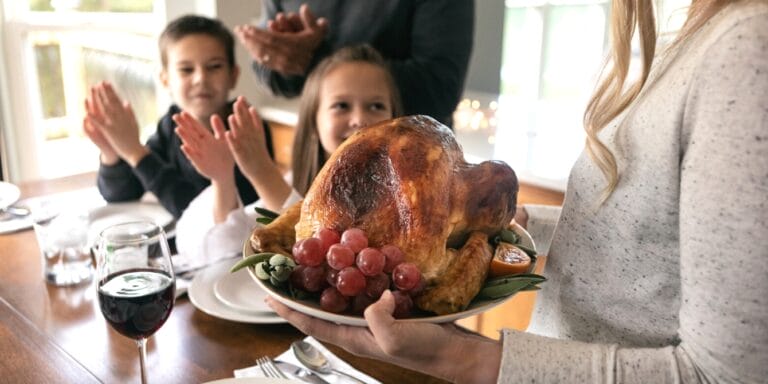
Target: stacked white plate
230, 296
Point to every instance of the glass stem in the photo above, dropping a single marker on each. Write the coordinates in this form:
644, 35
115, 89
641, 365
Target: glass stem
142, 343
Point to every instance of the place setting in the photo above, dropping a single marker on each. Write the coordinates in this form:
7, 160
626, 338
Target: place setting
13, 215
307, 361
66, 226
21, 214
216, 291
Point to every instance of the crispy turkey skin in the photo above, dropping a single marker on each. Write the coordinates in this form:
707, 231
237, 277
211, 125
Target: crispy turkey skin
405, 182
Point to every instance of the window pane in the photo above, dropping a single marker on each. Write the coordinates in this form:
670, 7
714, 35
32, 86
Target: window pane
551, 55
51, 86
573, 49
68, 63
521, 52
132, 77
142, 6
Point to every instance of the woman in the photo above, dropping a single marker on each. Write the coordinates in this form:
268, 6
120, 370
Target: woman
658, 263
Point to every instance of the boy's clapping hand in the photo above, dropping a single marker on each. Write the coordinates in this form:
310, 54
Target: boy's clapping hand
108, 154
111, 124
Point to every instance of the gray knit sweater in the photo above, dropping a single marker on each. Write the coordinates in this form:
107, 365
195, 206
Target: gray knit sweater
667, 280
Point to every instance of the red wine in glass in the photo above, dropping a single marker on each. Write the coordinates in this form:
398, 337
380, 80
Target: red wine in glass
136, 285
136, 302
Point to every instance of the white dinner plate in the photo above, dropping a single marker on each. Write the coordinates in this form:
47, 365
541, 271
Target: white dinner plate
312, 307
252, 380
116, 213
9, 194
239, 291
202, 296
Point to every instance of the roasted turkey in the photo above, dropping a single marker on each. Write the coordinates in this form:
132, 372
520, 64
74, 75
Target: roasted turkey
405, 182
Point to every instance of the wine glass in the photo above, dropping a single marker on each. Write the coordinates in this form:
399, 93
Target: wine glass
136, 285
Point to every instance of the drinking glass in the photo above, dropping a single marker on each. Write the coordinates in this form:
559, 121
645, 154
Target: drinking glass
136, 285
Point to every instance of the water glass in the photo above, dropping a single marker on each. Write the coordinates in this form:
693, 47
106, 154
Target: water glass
64, 249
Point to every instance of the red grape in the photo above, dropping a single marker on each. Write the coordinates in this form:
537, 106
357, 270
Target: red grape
340, 257
327, 238
350, 281
355, 239
375, 285
403, 305
415, 291
314, 278
406, 276
394, 257
297, 277
360, 303
309, 252
333, 301
371, 261
331, 275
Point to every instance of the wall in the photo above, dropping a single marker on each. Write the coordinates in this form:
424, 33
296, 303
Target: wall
232, 13
485, 64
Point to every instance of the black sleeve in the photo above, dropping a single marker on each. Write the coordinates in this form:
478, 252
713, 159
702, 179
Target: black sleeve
118, 183
431, 80
161, 170
163, 179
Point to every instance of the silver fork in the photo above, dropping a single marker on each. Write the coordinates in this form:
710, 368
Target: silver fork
268, 367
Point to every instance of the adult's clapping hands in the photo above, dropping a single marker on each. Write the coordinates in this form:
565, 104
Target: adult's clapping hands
288, 43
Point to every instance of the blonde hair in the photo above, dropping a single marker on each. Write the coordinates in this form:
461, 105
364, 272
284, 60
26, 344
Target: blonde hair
308, 155
613, 94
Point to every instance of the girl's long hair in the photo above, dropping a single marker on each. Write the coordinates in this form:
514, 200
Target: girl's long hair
613, 94
308, 155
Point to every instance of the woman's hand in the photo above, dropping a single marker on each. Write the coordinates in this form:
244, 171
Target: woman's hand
443, 351
115, 123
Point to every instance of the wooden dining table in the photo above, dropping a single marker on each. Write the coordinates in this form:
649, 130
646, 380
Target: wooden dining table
51, 334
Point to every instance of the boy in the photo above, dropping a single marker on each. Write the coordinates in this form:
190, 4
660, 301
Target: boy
199, 70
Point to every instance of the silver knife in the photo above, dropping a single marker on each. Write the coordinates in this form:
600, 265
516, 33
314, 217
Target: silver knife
300, 373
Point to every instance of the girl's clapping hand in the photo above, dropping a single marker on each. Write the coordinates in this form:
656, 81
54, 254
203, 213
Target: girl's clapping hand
246, 138
208, 152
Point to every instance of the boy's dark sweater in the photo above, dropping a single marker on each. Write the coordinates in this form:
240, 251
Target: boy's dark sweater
166, 172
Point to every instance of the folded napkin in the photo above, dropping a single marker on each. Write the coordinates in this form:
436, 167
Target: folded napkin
336, 363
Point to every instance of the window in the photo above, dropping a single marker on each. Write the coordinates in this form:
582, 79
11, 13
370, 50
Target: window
552, 52
65, 47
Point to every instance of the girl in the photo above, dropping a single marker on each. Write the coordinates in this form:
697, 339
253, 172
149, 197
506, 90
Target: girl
657, 267
349, 90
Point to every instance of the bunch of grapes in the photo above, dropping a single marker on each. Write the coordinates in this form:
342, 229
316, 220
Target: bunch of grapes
350, 275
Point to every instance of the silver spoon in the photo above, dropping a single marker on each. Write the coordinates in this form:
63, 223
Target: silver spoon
10, 212
313, 359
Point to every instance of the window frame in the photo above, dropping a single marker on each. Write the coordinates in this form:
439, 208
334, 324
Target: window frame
23, 107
